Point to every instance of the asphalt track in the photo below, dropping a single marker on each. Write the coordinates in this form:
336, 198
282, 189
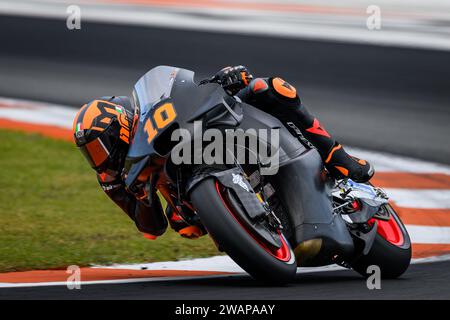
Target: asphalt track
421, 281
382, 98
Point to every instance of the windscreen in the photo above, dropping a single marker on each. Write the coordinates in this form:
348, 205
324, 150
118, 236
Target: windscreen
166, 97
155, 86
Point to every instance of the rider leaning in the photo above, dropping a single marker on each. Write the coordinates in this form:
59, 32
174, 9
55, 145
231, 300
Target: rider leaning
103, 129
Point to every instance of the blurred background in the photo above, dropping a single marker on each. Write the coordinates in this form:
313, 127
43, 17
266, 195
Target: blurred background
379, 84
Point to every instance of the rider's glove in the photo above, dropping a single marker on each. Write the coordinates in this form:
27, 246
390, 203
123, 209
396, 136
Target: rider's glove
233, 79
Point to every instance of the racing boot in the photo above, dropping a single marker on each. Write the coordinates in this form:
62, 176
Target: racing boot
338, 162
342, 165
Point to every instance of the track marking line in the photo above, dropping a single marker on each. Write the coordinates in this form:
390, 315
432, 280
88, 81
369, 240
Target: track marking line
98, 274
386, 162
429, 235
410, 180
45, 130
119, 281
420, 199
424, 217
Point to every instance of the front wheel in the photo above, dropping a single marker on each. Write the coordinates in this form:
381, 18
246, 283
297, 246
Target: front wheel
391, 250
274, 265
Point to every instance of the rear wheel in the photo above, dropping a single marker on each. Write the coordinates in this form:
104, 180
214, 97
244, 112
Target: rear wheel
391, 250
220, 218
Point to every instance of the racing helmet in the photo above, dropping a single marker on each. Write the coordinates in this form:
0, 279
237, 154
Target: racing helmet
102, 131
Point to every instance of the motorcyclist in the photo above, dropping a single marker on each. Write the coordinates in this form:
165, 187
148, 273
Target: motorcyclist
102, 131
103, 128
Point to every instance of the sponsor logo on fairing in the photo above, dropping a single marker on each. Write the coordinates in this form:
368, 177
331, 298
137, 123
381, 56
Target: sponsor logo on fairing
237, 179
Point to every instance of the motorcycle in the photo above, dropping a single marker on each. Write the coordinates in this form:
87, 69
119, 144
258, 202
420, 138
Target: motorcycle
269, 224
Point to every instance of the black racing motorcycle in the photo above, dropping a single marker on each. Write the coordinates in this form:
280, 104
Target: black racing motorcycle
267, 223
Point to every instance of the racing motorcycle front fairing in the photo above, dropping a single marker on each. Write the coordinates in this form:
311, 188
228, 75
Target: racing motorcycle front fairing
165, 99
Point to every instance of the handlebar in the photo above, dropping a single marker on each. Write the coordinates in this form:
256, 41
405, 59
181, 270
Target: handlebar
214, 79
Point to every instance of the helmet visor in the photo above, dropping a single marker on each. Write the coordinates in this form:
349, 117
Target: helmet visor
99, 150
95, 152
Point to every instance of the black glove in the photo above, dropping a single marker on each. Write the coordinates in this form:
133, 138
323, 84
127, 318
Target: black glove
233, 79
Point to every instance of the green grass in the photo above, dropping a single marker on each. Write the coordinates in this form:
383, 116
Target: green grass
53, 213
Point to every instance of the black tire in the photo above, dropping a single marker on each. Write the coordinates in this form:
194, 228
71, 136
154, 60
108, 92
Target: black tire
392, 259
235, 240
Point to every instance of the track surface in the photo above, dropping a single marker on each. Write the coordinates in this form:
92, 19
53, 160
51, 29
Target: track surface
419, 282
386, 99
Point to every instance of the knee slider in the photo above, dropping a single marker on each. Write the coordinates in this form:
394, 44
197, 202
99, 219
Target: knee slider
283, 88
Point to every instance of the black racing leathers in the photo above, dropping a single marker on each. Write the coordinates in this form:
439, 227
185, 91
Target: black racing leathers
148, 219
278, 98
